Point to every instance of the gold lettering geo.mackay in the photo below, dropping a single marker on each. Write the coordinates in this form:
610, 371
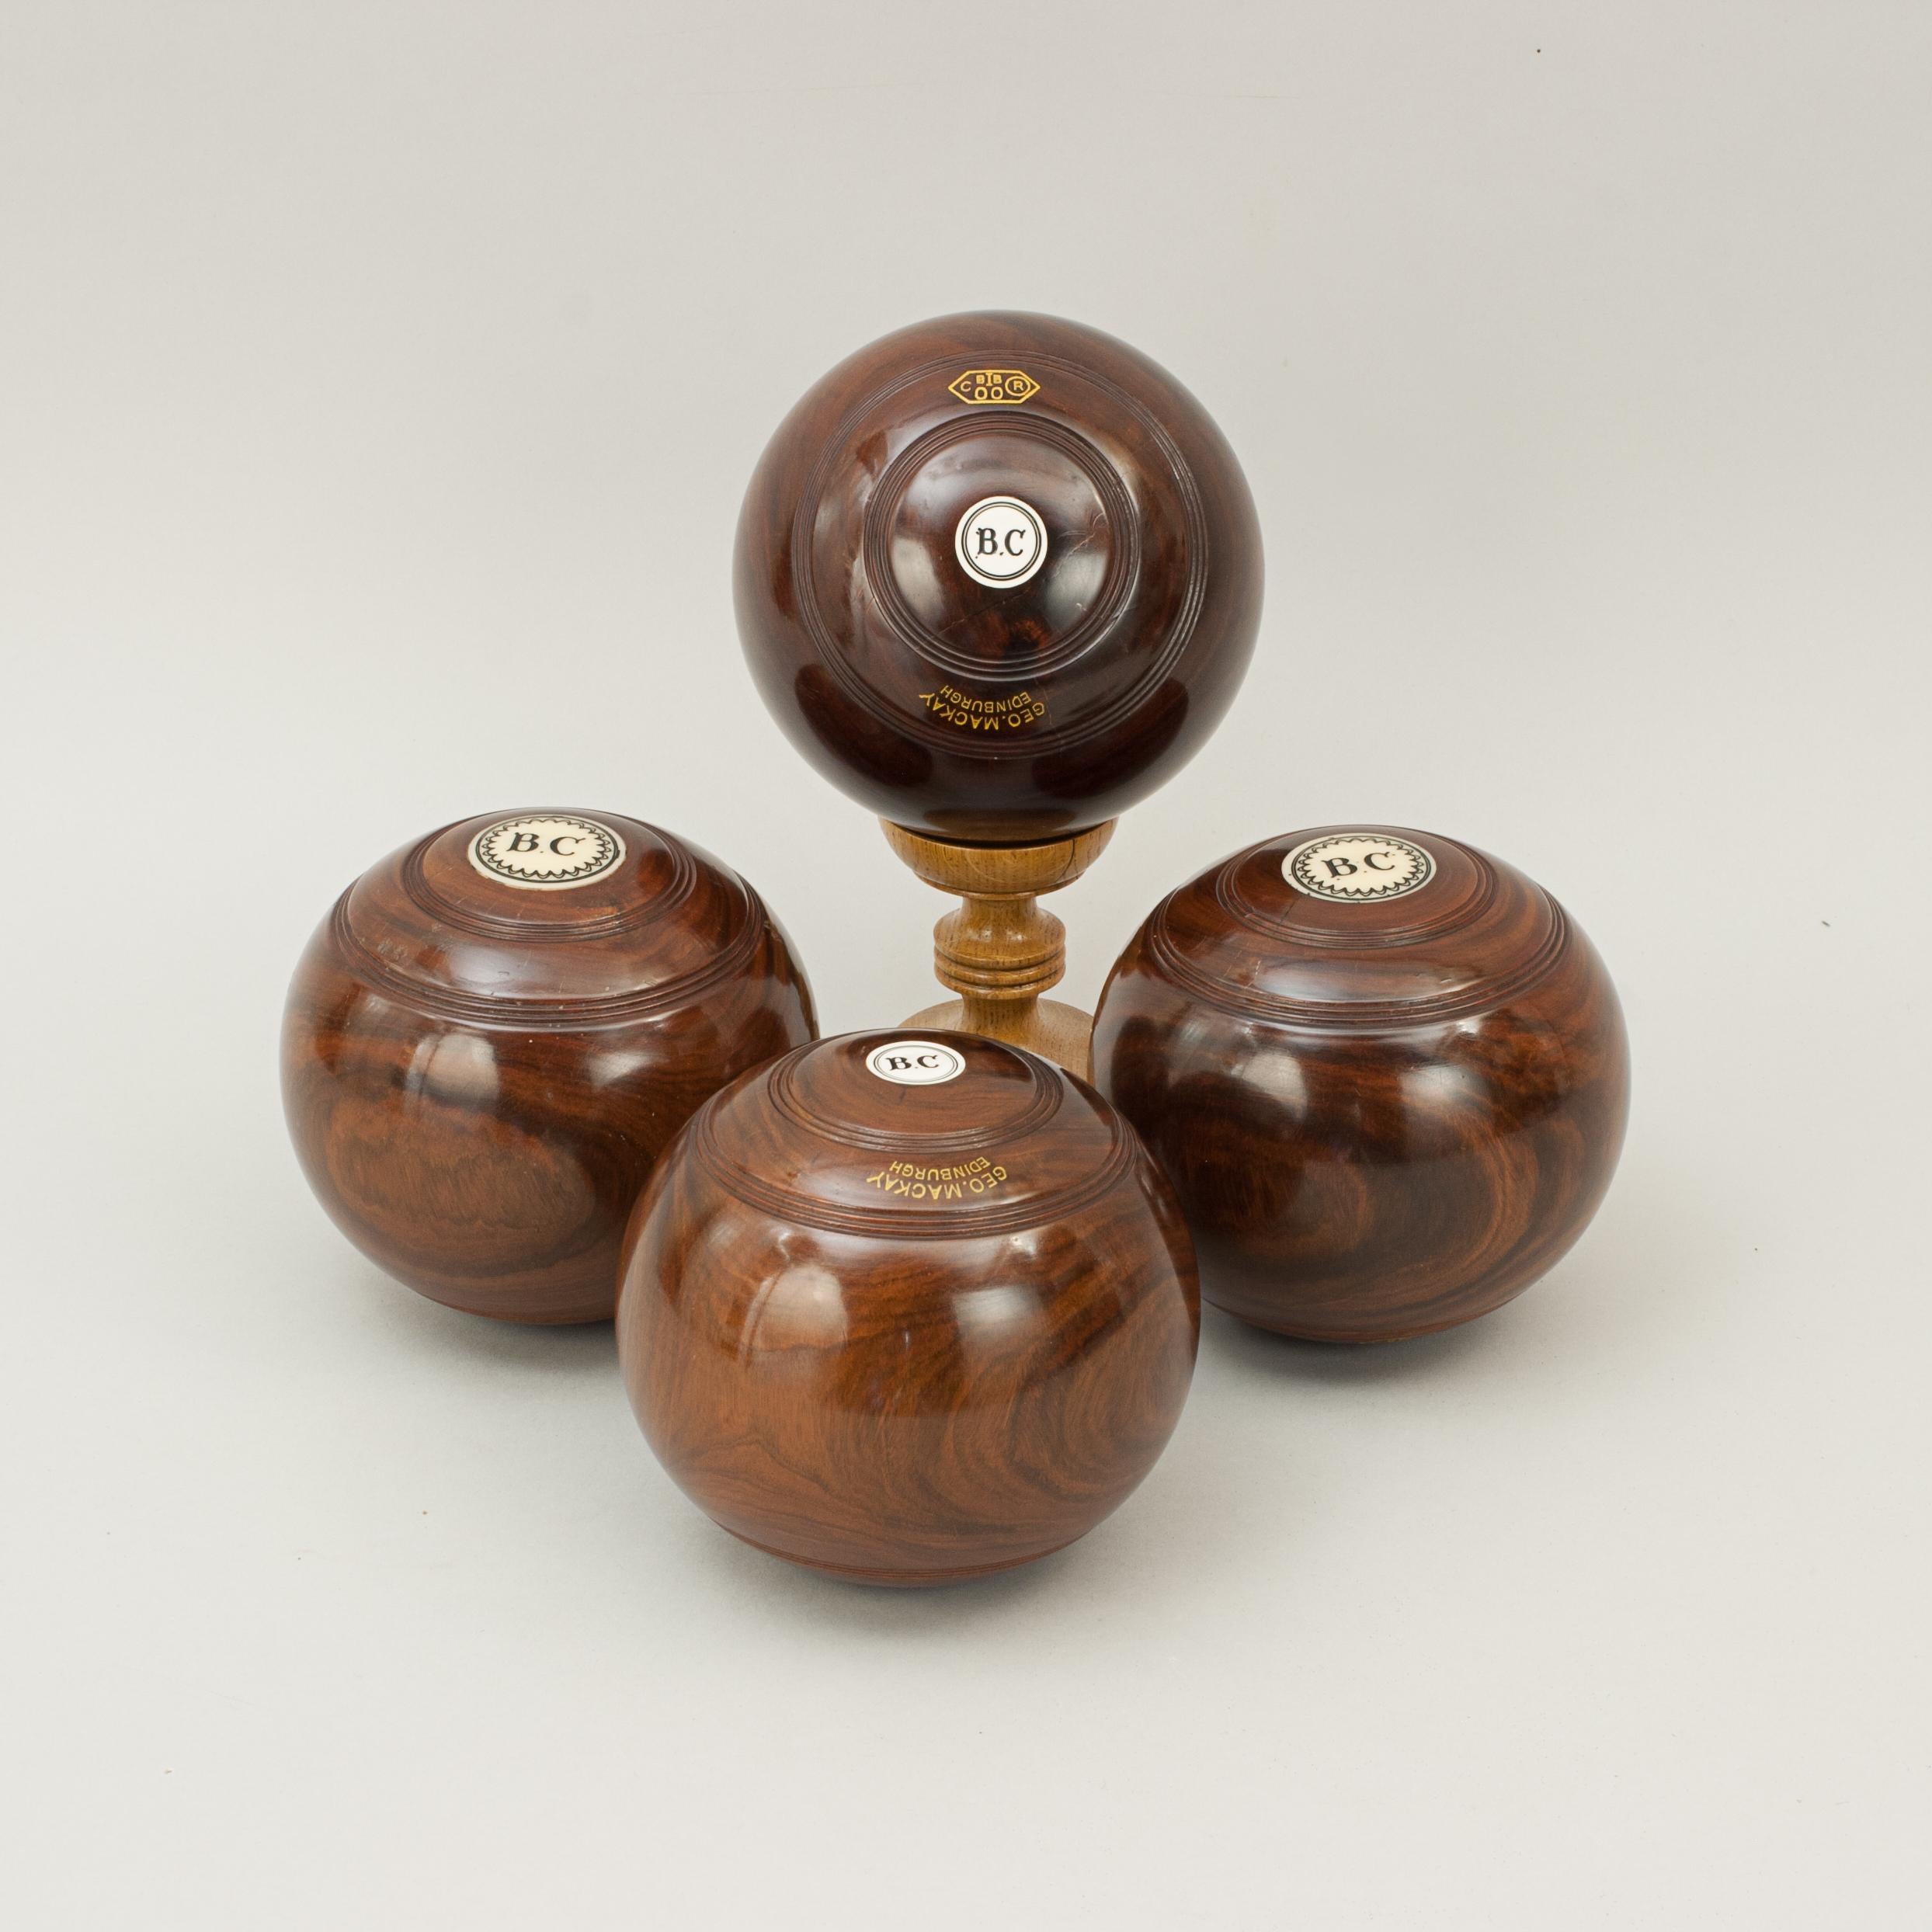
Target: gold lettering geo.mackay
953, 706
980, 1176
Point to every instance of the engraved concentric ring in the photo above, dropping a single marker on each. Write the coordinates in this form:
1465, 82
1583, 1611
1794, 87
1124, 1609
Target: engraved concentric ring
464, 915
990, 1216
1044, 1096
882, 505
540, 1012
1360, 1015
1462, 911
918, 723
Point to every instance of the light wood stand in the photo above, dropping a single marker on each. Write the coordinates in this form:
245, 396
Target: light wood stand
1000, 951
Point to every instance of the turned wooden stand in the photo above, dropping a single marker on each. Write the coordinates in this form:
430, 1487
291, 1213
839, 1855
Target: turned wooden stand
1000, 951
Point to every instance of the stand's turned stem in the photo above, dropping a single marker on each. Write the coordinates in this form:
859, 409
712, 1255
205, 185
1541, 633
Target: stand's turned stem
1001, 951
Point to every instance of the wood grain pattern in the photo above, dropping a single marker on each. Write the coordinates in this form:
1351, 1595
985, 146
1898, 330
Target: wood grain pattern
1001, 949
478, 1077
1380, 1118
1017, 712
908, 1335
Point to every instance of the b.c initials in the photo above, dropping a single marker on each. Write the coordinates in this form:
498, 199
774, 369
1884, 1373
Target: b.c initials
1374, 861
560, 844
987, 540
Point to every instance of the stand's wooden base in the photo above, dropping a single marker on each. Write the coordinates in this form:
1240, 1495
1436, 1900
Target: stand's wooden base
999, 952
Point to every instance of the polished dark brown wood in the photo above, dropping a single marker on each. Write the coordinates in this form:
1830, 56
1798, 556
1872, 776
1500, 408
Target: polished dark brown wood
907, 1334
984, 712
479, 1076
1382, 1118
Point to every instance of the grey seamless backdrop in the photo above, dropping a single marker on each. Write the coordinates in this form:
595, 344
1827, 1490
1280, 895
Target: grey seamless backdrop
379, 383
